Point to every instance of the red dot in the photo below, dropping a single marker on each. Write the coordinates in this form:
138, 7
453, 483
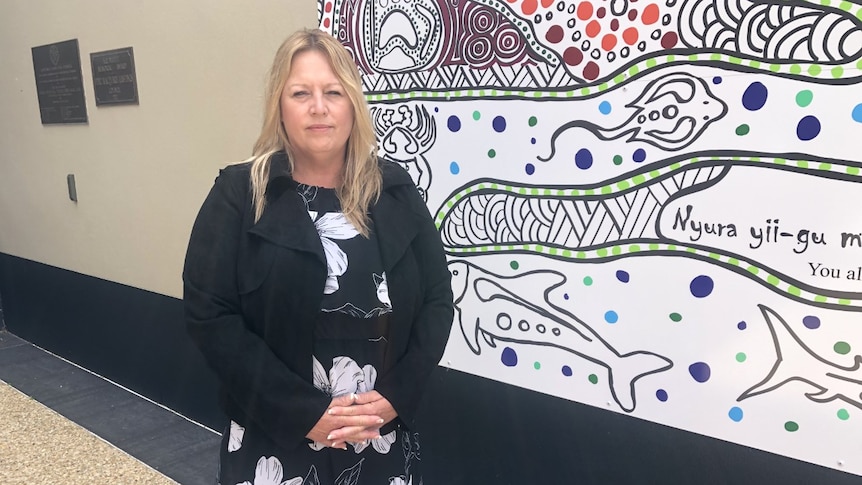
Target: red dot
572, 56
650, 15
328, 7
609, 41
585, 10
630, 36
633, 14
529, 7
326, 23
547, 3
591, 71
593, 28
615, 25
669, 40
600, 13
555, 34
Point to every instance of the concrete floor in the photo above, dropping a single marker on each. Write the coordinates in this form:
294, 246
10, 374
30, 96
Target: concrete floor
62, 424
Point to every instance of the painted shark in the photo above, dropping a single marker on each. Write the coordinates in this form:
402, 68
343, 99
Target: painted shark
829, 381
518, 309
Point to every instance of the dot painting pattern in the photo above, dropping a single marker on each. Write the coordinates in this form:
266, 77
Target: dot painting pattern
701, 286
700, 371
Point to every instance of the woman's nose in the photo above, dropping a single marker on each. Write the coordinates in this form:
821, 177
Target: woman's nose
318, 105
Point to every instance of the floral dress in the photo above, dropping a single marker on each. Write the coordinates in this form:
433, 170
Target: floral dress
350, 342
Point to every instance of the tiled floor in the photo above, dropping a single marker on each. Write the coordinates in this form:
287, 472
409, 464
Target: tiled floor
174, 446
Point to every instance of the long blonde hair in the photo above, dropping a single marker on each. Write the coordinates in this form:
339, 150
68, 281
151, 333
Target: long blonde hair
361, 180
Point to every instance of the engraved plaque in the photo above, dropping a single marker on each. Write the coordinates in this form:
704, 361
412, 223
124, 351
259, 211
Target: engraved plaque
59, 84
114, 80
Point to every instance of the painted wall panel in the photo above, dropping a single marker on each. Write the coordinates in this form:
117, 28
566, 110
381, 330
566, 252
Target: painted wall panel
648, 206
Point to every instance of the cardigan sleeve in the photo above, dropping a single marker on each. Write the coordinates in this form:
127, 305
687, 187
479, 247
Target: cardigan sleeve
277, 399
404, 383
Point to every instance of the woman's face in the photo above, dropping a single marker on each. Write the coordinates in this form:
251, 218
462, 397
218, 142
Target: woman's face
315, 110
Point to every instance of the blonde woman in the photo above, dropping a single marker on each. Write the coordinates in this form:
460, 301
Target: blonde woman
316, 287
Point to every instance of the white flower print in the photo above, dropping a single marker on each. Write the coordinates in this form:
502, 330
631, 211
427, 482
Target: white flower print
236, 433
347, 377
400, 480
333, 225
382, 289
269, 472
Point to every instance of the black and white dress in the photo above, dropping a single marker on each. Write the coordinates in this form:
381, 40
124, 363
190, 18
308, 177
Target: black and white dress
350, 342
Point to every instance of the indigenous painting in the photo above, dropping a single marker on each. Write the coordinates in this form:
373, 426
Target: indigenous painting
650, 207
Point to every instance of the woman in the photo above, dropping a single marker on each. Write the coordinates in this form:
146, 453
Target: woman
316, 287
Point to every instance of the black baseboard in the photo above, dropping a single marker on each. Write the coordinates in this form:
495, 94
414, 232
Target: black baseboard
133, 337
474, 430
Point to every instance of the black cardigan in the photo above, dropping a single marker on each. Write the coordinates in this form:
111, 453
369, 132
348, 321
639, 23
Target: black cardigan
252, 293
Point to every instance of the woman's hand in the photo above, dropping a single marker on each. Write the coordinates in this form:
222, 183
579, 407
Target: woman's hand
370, 403
340, 421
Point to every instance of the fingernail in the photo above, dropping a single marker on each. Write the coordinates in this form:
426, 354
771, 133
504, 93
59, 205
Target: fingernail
380, 421
330, 412
352, 396
329, 438
333, 444
377, 437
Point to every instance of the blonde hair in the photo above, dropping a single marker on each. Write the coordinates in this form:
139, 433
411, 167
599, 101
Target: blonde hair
361, 180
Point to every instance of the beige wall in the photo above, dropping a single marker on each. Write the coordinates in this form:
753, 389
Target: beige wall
142, 171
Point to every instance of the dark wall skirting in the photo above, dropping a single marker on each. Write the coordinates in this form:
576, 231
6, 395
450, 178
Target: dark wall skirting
474, 430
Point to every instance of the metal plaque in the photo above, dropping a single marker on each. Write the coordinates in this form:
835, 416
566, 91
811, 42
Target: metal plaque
114, 78
59, 84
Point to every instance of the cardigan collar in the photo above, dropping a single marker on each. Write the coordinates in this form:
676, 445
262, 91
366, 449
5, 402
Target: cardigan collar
285, 220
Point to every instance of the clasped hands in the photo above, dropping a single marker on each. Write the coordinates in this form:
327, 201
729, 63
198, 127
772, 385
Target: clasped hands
352, 418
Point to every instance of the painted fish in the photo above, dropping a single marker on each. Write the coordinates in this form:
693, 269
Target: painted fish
829, 381
518, 309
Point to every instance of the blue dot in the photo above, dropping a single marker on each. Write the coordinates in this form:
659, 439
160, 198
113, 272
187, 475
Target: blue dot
754, 96
742, 325
735, 414
530, 169
565, 296
436, 109
611, 316
700, 371
716, 80
533, 141
509, 357
604, 107
499, 124
701, 286
584, 159
639, 155
808, 128
811, 322
623, 276
661, 395
567, 371
454, 168
454, 123
857, 113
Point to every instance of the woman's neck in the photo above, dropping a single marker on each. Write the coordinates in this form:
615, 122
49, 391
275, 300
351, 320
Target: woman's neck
317, 173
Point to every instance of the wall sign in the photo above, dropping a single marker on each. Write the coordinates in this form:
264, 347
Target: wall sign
57, 68
114, 80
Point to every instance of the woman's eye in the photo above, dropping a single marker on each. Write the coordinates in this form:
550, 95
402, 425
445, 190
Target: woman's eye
299, 94
334, 93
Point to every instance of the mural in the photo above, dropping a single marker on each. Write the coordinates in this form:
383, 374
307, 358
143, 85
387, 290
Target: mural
648, 206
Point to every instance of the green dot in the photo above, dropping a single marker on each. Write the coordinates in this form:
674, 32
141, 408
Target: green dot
492, 153
651, 62
837, 72
537, 365
795, 69
634, 248
794, 291
476, 115
743, 129
791, 426
774, 67
514, 265
653, 246
772, 280
740, 357
588, 280
602, 252
733, 261
814, 69
804, 97
581, 255
532, 121
820, 298
567, 253
752, 270
593, 378
616, 250
618, 159
845, 6
825, 166
639, 179
853, 170
675, 317
754, 64
623, 184
841, 347
607, 189
843, 415
715, 57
